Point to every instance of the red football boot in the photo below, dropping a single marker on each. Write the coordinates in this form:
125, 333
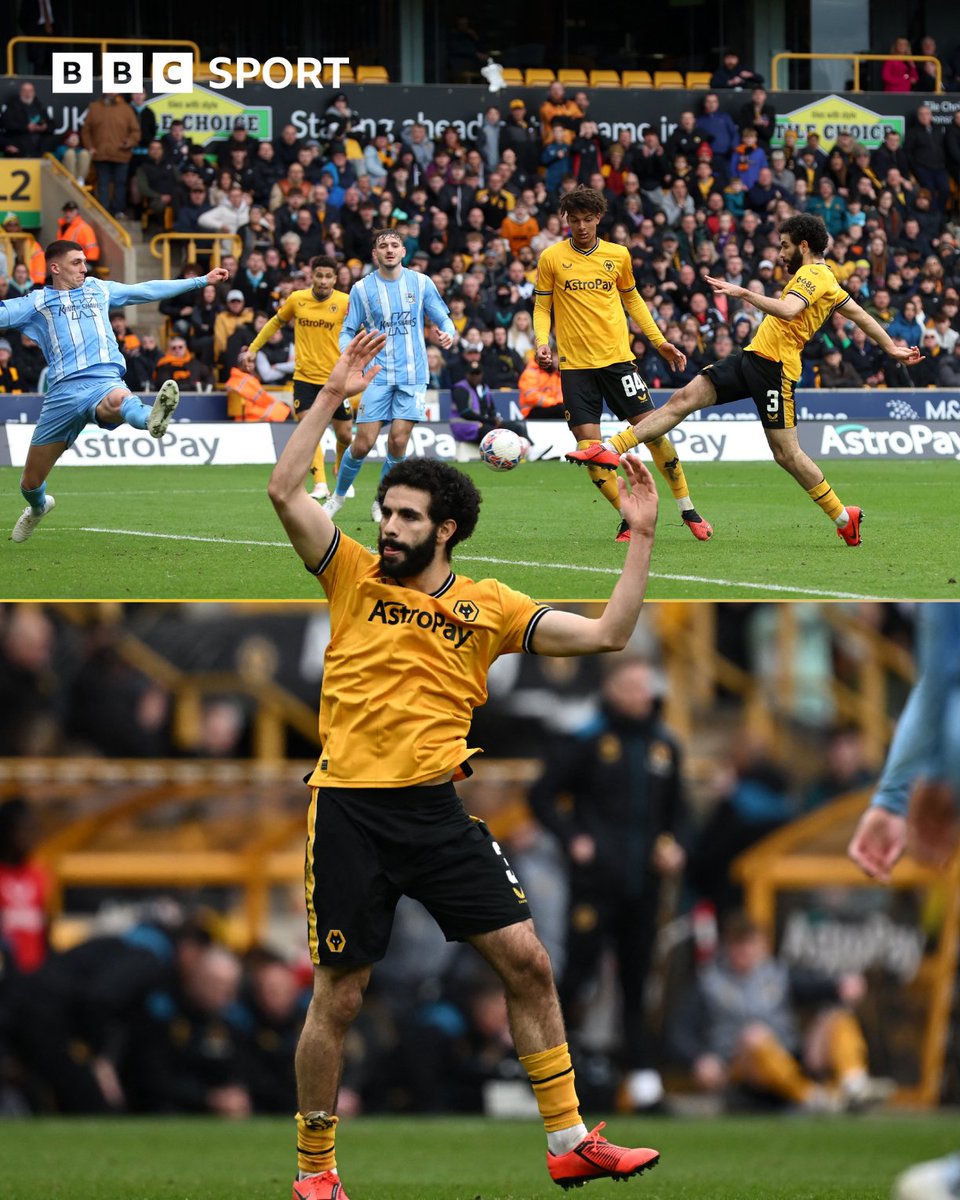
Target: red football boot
597, 455
702, 530
851, 531
326, 1186
596, 1158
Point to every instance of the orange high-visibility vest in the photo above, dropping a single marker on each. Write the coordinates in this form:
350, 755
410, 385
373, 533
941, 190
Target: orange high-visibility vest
249, 400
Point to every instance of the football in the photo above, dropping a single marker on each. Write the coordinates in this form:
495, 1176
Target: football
501, 449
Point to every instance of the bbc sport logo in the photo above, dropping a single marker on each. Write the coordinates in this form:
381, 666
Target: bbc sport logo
173, 72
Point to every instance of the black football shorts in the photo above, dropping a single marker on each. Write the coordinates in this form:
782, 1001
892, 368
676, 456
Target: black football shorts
368, 847
304, 395
586, 388
743, 374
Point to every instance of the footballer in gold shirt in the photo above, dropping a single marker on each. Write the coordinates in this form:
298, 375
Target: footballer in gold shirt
587, 282
768, 369
318, 313
410, 646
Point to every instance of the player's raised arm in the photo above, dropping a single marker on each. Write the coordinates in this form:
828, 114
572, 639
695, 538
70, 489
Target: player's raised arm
876, 333
159, 289
565, 633
789, 307
308, 527
15, 313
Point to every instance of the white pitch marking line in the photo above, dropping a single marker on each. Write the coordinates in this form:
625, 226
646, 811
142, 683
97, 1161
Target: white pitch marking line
760, 587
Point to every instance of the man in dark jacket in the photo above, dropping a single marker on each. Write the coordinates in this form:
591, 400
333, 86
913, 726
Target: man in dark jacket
519, 134
613, 796
926, 153
25, 123
158, 182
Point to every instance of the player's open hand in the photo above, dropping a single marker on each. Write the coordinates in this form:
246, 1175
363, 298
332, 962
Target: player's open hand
350, 376
218, 275
908, 355
639, 502
725, 287
879, 840
673, 355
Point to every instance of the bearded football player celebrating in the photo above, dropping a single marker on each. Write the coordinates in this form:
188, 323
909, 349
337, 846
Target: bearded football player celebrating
768, 369
588, 282
410, 648
318, 311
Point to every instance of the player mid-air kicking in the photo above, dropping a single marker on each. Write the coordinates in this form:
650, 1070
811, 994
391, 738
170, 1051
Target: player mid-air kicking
70, 319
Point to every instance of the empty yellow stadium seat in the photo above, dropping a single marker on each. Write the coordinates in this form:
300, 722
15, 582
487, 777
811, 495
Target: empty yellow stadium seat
513, 77
539, 77
698, 79
668, 79
637, 79
604, 78
573, 76
372, 75
346, 74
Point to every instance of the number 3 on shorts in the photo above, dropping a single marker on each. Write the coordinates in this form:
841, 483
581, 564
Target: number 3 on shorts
632, 384
773, 402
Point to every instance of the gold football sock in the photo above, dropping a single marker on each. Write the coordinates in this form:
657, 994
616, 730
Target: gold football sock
625, 440
605, 478
847, 1048
668, 464
340, 450
316, 1134
551, 1076
824, 495
318, 471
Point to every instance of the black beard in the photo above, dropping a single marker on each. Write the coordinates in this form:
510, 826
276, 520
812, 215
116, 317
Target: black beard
414, 559
796, 262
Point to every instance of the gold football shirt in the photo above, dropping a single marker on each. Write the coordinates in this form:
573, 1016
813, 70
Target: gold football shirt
404, 670
782, 341
587, 288
316, 332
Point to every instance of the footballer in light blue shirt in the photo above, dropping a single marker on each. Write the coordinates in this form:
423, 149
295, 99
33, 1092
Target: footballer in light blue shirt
70, 319
395, 301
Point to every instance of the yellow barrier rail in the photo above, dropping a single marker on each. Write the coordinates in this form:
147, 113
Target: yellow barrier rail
161, 246
103, 43
90, 199
856, 59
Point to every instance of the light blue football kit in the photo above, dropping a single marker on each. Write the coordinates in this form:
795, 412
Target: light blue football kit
84, 361
396, 308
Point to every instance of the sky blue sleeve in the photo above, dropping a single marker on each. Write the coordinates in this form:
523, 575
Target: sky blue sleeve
435, 308
924, 743
14, 314
354, 318
153, 289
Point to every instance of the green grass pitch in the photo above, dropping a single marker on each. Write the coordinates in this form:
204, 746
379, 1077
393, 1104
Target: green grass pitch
463, 1159
128, 533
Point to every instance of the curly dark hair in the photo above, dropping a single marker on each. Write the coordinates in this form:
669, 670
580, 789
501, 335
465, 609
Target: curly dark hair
806, 228
452, 494
583, 200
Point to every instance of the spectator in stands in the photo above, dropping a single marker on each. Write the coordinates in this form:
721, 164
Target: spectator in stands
20, 281
619, 834
24, 886
836, 372
228, 215
747, 158
110, 131
738, 1027
829, 206
890, 154
540, 394
29, 250
926, 154
559, 108
180, 364
732, 74
518, 134
146, 118
758, 113
26, 124
157, 181
927, 71
718, 127
191, 209
501, 365
866, 358
473, 412
587, 148
949, 367
71, 227
10, 381
294, 181
520, 335
228, 321
239, 139
414, 138
175, 143
75, 159
287, 146
267, 1022
897, 74
906, 325
519, 228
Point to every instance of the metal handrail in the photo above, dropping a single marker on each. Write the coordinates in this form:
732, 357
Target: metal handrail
162, 243
90, 199
856, 59
103, 43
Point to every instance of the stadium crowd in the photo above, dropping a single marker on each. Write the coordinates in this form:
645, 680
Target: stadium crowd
475, 215
154, 1010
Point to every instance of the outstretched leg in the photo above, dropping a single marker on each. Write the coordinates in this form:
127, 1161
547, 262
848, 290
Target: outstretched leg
33, 487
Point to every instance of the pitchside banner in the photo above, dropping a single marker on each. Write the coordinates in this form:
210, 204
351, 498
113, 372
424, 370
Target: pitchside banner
205, 445
209, 114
